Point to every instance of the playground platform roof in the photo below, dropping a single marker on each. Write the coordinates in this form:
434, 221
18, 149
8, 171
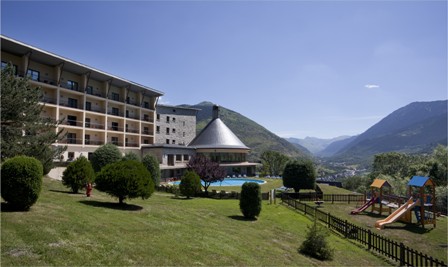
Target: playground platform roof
379, 183
420, 181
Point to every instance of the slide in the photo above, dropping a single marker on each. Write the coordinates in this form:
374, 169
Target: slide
365, 206
397, 214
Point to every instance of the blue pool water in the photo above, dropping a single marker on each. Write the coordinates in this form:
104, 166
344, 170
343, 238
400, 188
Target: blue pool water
231, 182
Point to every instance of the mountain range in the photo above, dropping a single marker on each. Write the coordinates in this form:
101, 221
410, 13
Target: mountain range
415, 128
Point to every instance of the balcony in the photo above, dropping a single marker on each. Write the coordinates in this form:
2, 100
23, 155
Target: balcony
93, 142
73, 123
49, 100
131, 130
119, 114
69, 104
115, 128
148, 132
131, 144
148, 119
96, 109
71, 141
115, 143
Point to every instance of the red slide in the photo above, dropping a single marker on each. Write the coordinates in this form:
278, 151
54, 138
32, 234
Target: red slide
365, 206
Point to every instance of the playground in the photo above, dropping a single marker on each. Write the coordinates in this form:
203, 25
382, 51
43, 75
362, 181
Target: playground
399, 218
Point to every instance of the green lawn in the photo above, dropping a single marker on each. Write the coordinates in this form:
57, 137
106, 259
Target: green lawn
70, 229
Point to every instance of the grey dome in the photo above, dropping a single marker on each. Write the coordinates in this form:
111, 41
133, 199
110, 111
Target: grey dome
217, 135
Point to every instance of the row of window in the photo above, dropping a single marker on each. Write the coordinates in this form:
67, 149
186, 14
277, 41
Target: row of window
72, 120
71, 139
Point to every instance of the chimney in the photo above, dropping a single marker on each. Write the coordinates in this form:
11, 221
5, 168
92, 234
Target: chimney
215, 112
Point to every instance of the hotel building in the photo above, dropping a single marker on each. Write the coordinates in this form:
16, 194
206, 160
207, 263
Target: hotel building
96, 107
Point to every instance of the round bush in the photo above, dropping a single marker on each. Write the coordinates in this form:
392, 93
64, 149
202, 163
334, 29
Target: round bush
299, 175
104, 155
190, 184
316, 244
125, 180
250, 200
21, 181
78, 174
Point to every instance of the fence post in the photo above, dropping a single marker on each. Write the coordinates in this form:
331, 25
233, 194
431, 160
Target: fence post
349, 199
328, 220
332, 198
345, 229
402, 259
369, 239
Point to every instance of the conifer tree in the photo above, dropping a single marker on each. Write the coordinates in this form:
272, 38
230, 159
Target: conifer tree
23, 130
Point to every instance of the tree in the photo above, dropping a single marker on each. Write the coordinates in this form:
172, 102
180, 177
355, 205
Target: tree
438, 165
131, 156
125, 180
21, 181
23, 130
190, 184
78, 174
207, 170
152, 165
273, 162
299, 175
105, 154
250, 200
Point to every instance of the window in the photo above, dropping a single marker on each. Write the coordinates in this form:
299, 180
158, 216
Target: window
183, 134
71, 138
183, 123
87, 122
71, 156
114, 140
157, 129
158, 117
126, 142
178, 157
87, 139
145, 141
127, 113
115, 126
167, 141
146, 105
167, 119
73, 103
71, 120
88, 106
186, 157
167, 131
146, 130
115, 97
127, 127
89, 90
174, 130
146, 117
173, 142
128, 100
72, 85
115, 111
33, 74
173, 119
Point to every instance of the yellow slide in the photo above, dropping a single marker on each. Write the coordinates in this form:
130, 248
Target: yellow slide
397, 214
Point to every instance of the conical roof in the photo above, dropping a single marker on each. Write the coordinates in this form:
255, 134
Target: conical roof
217, 135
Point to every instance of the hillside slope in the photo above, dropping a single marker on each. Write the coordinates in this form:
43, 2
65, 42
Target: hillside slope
417, 127
253, 135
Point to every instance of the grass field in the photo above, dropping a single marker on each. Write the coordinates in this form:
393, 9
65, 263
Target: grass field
70, 229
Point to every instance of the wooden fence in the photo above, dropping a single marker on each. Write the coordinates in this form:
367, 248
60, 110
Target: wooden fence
349, 198
397, 251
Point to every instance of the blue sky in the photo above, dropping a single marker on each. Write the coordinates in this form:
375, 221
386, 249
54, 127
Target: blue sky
298, 68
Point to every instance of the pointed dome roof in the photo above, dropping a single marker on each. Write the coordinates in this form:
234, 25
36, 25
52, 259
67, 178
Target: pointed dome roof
217, 135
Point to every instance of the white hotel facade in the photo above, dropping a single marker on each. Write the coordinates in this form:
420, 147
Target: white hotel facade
96, 107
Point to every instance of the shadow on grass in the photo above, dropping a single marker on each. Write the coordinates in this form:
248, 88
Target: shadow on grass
181, 198
411, 227
6, 207
110, 205
241, 218
65, 192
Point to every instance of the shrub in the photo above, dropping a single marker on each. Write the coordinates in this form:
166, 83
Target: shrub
152, 165
315, 244
104, 155
131, 156
125, 180
21, 181
78, 174
250, 200
190, 184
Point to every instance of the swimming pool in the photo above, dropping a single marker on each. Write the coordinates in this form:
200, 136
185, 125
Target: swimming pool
232, 182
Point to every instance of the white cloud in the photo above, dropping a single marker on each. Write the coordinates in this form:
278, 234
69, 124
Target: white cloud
371, 86
162, 101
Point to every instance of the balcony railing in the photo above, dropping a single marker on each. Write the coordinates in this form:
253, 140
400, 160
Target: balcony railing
115, 128
71, 141
93, 142
147, 119
148, 132
70, 105
131, 130
94, 125
73, 123
96, 109
115, 143
49, 100
137, 117
131, 144
95, 94
119, 114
